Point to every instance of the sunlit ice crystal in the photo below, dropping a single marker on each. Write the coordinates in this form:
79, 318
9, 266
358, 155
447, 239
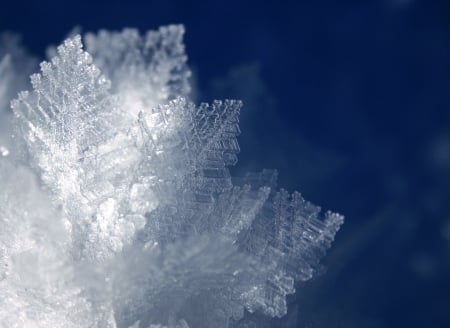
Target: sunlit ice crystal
151, 228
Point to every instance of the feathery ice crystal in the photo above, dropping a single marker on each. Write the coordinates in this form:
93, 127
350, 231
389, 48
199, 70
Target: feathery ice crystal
117, 208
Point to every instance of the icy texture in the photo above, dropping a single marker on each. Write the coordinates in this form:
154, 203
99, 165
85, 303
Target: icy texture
69, 121
37, 284
145, 70
137, 221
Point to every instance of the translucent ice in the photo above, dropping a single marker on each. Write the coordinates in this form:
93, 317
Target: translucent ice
136, 220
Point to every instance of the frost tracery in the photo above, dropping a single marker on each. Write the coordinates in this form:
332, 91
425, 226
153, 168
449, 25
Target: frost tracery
153, 230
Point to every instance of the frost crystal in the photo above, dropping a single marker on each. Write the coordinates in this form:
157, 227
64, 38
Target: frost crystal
136, 219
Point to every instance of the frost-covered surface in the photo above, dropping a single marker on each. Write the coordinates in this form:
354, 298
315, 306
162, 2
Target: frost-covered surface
118, 208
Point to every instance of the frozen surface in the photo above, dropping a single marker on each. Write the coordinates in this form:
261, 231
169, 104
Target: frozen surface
121, 211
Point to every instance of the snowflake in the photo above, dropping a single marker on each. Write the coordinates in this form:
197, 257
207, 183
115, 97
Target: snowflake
118, 208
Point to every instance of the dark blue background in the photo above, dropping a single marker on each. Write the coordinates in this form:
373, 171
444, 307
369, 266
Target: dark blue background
350, 100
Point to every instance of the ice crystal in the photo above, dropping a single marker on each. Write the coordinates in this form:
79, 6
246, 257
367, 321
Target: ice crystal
135, 220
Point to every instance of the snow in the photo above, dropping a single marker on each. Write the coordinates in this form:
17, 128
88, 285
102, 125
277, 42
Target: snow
118, 208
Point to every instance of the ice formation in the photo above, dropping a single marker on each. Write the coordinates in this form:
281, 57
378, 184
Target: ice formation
117, 207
